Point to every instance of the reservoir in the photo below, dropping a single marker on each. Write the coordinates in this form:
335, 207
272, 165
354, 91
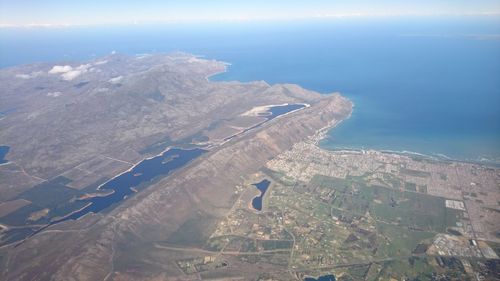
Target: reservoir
277, 110
262, 187
144, 172
271, 113
3, 152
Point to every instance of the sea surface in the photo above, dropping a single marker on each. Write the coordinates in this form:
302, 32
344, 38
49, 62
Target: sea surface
424, 85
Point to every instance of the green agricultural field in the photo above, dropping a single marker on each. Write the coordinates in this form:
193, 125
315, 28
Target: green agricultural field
415, 210
406, 208
398, 241
411, 268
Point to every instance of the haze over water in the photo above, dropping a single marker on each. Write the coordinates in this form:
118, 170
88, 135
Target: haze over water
427, 85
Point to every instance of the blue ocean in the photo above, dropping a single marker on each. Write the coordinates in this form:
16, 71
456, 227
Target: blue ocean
422, 85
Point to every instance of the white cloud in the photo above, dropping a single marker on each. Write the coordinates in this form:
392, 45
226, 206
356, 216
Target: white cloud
54, 94
70, 75
84, 67
115, 80
141, 56
194, 60
102, 90
60, 69
68, 72
23, 76
29, 76
100, 62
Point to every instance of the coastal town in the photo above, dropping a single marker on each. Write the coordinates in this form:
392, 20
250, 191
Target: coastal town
367, 215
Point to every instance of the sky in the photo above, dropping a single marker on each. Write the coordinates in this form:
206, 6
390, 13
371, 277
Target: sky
92, 12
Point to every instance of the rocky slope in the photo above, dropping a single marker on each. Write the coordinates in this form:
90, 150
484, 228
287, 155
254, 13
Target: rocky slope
174, 100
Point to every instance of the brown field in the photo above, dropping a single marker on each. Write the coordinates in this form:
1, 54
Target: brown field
94, 170
222, 132
232, 127
246, 121
10, 206
14, 181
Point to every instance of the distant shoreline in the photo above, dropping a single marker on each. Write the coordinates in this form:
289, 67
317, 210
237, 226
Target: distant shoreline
412, 154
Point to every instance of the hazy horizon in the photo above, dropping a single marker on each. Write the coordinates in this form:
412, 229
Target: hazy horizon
60, 13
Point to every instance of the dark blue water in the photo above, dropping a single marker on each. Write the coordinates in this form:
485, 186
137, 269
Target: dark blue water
144, 172
321, 278
262, 187
278, 110
428, 85
271, 113
3, 152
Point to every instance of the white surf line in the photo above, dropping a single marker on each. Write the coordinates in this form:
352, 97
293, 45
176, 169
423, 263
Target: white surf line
321, 133
207, 78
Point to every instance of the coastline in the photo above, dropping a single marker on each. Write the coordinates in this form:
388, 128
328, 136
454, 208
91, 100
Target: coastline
459, 150
321, 133
225, 65
439, 157
226, 69
415, 155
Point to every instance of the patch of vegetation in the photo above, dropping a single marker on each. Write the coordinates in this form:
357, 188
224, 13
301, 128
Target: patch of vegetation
269, 245
392, 180
398, 241
410, 186
200, 264
413, 268
495, 247
358, 272
415, 173
415, 210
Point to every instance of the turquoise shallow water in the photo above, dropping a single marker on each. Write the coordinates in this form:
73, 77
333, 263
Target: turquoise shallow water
426, 85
